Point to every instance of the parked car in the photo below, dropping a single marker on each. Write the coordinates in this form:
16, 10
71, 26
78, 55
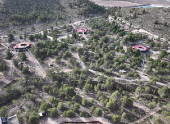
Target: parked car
42, 114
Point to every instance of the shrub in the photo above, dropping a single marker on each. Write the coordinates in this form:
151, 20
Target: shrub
116, 118
53, 112
98, 111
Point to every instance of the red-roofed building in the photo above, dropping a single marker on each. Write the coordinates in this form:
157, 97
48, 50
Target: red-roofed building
82, 30
140, 47
23, 46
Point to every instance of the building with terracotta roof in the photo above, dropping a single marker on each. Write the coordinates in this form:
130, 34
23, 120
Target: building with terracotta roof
23, 46
82, 30
140, 47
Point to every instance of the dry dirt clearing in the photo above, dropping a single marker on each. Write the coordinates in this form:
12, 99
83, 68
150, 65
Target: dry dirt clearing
114, 3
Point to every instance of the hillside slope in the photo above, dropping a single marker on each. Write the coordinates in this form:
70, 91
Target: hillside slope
24, 11
18, 12
154, 19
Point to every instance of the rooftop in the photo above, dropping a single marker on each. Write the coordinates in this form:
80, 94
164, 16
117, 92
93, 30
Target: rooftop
23, 45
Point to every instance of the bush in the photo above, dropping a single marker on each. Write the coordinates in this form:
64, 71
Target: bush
3, 111
124, 115
76, 107
34, 118
157, 120
133, 110
116, 118
53, 112
60, 106
23, 56
98, 111
9, 55
84, 101
152, 105
127, 101
44, 106
68, 114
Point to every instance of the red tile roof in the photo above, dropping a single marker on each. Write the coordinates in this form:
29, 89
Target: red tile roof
82, 30
23, 45
140, 47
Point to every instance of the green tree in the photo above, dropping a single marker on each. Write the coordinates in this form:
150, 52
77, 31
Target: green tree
76, 107
20, 37
163, 92
157, 120
84, 101
68, 103
60, 106
10, 37
68, 114
92, 108
152, 105
57, 60
53, 112
74, 35
34, 118
111, 104
31, 38
124, 115
3, 111
129, 49
23, 56
32, 28
148, 90
53, 100
80, 51
138, 90
25, 70
25, 35
116, 118
92, 100
44, 106
98, 111
9, 55
127, 101
4, 73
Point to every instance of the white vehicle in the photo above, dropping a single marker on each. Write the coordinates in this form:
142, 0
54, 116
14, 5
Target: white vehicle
122, 71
